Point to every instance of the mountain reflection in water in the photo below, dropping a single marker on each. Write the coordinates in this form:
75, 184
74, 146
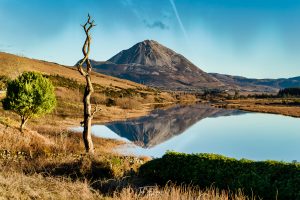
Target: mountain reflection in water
161, 125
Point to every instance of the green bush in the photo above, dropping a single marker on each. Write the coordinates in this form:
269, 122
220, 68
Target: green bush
266, 179
30, 95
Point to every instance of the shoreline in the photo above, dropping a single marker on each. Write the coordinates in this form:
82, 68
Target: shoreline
270, 106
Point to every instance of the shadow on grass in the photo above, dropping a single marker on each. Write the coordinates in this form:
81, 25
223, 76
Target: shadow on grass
84, 168
100, 174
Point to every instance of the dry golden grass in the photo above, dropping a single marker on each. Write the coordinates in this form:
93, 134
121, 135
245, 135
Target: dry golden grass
62, 155
128, 103
176, 193
283, 110
30, 141
12, 66
99, 98
148, 99
167, 97
275, 106
49, 141
187, 98
69, 95
15, 185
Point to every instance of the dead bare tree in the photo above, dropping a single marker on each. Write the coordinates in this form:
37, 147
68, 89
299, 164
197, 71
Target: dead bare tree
86, 73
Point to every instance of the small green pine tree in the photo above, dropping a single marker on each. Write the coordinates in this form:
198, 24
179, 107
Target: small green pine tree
30, 95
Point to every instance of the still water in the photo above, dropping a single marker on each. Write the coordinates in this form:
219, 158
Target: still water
204, 129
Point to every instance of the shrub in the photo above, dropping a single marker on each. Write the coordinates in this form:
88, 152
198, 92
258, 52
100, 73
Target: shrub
265, 179
128, 103
99, 98
30, 95
187, 98
110, 102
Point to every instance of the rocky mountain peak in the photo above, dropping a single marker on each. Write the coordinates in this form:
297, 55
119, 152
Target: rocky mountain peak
153, 64
149, 53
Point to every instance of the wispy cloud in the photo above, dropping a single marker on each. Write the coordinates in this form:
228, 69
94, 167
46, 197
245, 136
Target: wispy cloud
156, 24
179, 19
141, 14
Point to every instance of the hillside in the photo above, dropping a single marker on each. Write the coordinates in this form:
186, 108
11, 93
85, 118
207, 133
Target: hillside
12, 65
118, 99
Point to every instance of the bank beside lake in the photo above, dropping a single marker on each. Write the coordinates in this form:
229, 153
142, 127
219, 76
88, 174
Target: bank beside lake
281, 106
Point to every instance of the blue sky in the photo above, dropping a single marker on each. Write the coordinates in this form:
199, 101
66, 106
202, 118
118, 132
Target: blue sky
253, 38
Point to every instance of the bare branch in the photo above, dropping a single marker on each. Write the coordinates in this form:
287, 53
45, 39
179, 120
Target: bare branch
86, 48
96, 109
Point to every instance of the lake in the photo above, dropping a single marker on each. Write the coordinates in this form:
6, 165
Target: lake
201, 128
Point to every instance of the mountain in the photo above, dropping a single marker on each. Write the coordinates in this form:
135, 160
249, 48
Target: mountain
251, 84
153, 64
161, 125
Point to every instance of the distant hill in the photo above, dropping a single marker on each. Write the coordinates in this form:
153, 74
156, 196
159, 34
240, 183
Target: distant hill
267, 85
153, 64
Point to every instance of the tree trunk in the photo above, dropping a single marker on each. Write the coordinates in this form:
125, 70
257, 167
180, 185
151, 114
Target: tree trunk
87, 129
87, 115
23, 123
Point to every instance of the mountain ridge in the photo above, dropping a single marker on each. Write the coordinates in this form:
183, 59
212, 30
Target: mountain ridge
155, 65
269, 83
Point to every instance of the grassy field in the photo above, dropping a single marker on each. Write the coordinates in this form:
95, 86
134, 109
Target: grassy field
282, 106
